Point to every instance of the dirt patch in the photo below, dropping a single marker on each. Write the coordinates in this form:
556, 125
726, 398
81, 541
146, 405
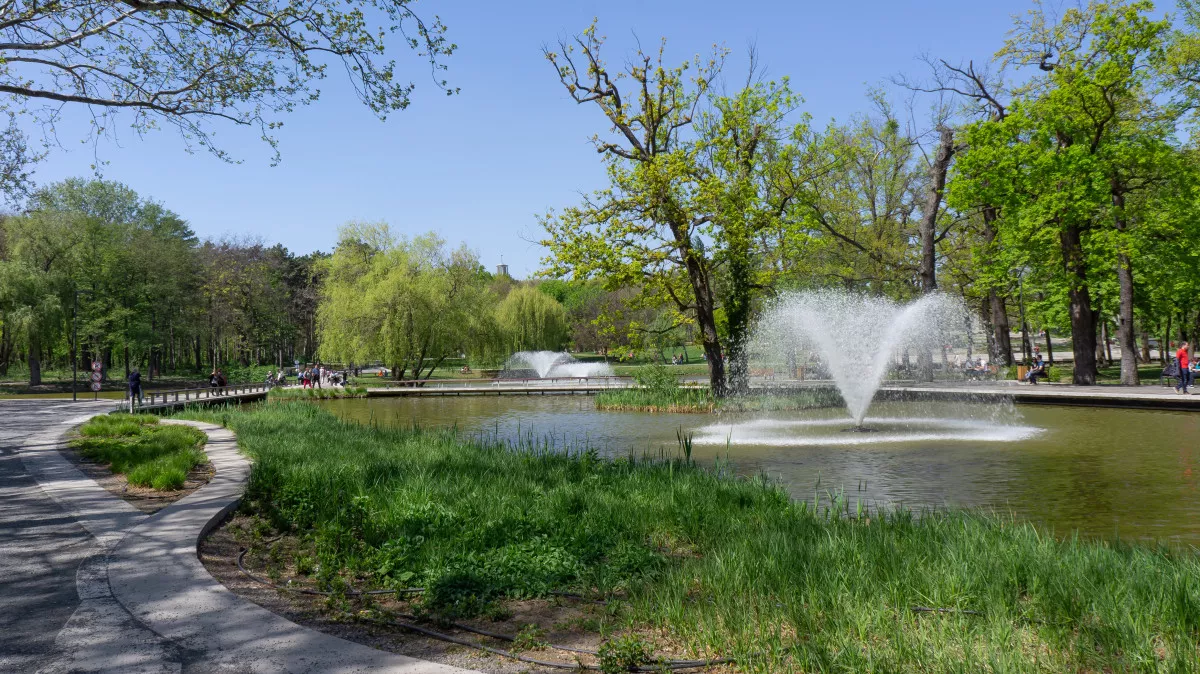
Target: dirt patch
565, 621
144, 499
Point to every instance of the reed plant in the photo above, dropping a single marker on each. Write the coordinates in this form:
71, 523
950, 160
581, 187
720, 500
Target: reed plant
648, 400
149, 454
718, 565
699, 400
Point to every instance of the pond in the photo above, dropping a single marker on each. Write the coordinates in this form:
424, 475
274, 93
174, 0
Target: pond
1109, 473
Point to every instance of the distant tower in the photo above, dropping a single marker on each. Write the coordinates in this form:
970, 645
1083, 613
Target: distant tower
501, 269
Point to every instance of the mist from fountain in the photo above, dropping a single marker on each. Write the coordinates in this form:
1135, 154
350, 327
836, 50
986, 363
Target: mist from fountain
555, 364
855, 336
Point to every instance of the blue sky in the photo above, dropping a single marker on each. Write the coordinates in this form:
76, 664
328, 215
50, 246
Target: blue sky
478, 167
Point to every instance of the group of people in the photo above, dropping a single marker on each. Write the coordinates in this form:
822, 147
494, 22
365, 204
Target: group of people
1037, 370
316, 377
975, 368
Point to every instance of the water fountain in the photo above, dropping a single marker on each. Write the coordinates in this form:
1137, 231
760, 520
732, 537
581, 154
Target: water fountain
855, 337
553, 364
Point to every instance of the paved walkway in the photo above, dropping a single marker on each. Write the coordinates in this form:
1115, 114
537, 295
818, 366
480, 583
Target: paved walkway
1144, 397
89, 584
41, 546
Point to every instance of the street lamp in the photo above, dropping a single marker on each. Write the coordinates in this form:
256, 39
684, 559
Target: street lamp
75, 343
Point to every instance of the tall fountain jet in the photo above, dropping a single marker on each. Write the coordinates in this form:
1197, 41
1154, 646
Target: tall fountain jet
855, 336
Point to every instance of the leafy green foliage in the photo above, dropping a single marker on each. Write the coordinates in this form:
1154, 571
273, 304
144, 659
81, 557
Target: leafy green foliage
532, 320
409, 303
624, 653
189, 65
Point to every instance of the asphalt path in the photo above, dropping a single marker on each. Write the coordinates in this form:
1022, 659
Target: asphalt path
41, 545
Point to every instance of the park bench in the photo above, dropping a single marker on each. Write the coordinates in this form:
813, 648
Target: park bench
1169, 373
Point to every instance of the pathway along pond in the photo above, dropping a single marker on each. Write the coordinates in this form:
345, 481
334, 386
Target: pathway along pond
1108, 473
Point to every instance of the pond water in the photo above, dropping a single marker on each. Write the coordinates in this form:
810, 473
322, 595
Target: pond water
1107, 473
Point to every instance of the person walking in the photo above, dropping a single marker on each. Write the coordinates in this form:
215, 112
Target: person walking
135, 386
1185, 372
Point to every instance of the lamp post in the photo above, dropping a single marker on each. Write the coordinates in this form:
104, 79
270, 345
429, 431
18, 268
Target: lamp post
75, 343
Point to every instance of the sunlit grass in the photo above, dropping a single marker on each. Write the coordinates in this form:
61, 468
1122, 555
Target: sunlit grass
719, 565
137, 446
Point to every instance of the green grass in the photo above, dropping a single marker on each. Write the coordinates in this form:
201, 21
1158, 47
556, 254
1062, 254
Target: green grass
715, 564
692, 400
655, 400
137, 446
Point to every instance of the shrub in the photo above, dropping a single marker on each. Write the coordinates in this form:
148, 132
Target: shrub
137, 446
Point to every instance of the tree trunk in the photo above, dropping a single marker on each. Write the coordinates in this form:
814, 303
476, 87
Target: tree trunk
1108, 357
1125, 329
737, 310
705, 316
1083, 325
1101, 335
35, 360
986, 313
1001, 330
927, 231
1026, 342
1049, 348
933, 202
1164, 348
1145, 345
6, 349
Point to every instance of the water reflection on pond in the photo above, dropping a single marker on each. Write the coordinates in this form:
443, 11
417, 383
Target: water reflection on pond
1105, 472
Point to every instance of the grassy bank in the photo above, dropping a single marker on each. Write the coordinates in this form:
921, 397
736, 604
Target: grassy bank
654, 400
146, 453
700, 560
687, 400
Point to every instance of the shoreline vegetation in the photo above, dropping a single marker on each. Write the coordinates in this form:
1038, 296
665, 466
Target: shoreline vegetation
692, 560
701, 401
658, 391
147, 453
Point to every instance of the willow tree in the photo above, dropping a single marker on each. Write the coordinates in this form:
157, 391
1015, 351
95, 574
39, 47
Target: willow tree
531, 320
38, 254
408, 302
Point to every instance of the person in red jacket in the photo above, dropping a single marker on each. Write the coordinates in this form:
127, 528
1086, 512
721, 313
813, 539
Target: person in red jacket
1185, 372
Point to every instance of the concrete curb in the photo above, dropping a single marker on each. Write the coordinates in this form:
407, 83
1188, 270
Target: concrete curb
156, 574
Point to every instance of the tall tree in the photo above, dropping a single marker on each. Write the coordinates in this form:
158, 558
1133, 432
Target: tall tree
646, 230
1060, 160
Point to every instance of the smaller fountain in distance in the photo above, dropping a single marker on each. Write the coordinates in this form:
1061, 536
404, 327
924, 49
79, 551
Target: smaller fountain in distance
855, 337
552, 364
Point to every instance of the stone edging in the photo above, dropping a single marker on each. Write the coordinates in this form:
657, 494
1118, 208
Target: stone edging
156, 574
